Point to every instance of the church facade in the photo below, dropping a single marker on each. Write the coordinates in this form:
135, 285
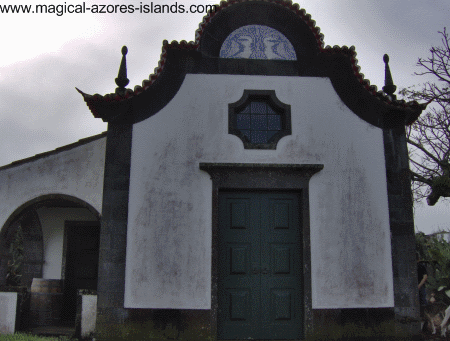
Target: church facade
254, 187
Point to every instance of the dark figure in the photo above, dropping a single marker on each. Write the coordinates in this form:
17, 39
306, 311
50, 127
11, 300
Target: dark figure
422, 277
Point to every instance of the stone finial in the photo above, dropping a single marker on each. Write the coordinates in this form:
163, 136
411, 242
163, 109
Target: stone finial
122, 80
389, 87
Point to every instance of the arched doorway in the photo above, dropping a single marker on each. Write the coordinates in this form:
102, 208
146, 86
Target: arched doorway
60, 243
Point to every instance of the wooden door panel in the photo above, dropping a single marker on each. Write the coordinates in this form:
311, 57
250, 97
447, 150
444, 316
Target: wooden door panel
281, 259
259, 266
280, 213
239, 251
239, 213
239, 259
280, 254
239, 303
280, 308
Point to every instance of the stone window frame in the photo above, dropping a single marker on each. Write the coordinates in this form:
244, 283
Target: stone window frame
271, 99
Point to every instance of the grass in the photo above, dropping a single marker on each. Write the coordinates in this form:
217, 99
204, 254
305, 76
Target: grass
29, 337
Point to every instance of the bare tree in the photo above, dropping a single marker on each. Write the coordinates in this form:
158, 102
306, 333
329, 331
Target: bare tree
429, 137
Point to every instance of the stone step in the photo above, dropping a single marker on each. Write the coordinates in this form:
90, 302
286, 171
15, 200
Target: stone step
52, 330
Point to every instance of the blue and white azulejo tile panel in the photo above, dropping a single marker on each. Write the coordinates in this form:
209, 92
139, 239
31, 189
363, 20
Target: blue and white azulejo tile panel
257, 42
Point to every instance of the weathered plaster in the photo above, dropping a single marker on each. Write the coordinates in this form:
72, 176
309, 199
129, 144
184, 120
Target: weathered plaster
77, 172
88, 315
52, 223
8, 311
169, 217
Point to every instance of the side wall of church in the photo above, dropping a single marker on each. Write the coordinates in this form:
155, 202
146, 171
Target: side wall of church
169, 212
76, 172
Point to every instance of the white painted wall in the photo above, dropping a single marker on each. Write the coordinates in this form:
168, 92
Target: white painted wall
77, 172
168, 261
52, 223
8, 309
88, 315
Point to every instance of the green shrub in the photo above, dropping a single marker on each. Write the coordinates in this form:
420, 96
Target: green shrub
15, 267
29, 337
435, 251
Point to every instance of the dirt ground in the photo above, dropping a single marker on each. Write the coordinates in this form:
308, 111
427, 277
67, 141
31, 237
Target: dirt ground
428, 336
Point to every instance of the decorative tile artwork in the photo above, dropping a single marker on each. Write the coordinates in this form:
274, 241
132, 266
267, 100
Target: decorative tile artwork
257, 42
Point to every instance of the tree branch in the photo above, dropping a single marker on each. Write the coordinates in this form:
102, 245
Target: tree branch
418, 177
424, 150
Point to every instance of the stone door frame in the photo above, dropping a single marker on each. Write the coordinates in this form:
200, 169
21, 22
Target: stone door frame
282, 177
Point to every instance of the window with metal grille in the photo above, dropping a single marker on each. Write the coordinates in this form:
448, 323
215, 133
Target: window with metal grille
259, 119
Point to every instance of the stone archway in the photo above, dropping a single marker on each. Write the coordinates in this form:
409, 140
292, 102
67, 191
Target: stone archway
48, 225
32, 262
33, 217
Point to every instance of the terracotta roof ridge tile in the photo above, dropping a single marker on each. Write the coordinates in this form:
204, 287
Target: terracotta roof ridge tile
194, 45
379, 94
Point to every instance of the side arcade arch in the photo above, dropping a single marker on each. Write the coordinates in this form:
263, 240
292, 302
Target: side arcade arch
43, 220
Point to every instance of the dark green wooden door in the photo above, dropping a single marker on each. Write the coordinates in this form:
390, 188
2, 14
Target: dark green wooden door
259, 286
81, 271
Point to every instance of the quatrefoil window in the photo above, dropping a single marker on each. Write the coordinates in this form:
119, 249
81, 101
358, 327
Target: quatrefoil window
259, 119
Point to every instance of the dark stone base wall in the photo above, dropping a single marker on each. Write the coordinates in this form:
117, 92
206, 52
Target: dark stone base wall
358, 324
196, 325
156, 324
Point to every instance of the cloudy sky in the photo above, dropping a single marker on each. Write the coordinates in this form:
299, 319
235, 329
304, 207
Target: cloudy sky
45, 56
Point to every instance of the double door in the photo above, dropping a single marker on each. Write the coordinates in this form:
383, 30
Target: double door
260, 266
